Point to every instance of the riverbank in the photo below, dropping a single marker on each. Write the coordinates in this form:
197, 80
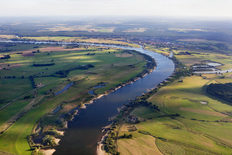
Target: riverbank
99, 116
127, 109
76, 123
149, 68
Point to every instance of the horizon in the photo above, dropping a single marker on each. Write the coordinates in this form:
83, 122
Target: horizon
154, 8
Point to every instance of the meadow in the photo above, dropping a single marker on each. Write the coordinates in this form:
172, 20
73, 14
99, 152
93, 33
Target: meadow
196, 131
110, 65
190, 121
82, 40
197, 56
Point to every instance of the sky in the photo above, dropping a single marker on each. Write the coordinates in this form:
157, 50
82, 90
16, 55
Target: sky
157, 8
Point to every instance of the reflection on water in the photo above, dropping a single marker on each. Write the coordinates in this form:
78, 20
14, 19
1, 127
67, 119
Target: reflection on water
56, 109
91, 92
64, 89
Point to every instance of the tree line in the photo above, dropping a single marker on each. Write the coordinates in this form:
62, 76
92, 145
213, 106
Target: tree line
223, 91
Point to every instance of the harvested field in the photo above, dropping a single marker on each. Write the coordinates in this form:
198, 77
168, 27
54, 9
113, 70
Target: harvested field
46, 49
136, 30
229, 76
203, 112
28, 54
124, 55
139, 145
57, 49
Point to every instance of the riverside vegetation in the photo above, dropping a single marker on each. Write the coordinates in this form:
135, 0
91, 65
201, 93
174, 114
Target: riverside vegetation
33, 87
185, 120
176, 117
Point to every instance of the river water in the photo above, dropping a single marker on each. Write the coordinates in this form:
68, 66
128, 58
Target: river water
85, 130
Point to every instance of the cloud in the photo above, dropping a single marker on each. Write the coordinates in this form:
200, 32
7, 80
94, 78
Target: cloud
116, 7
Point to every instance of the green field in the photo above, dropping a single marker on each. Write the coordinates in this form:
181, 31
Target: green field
88, 40
110, 65
197, 56
200, 129
145, 112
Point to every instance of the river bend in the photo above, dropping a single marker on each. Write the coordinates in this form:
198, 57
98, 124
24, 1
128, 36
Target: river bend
85, 130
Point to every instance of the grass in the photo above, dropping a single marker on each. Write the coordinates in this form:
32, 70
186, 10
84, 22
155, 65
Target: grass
14, 139
205, 55
12, 88
145, 112
78, 39
139, 144
199, 128
202, 55
169, 148
188, 94
63, 60
88, 28
11, 110
46, 80
167, 128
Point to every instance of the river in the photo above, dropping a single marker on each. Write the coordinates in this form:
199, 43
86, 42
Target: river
85, 130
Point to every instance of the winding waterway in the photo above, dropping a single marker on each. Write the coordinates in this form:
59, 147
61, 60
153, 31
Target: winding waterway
85, 130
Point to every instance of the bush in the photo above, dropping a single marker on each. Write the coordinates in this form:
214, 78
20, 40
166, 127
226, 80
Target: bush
48, 140
27, 97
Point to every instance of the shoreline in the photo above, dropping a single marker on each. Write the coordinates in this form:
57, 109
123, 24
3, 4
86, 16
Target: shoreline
99, 150
148, 70
100, 145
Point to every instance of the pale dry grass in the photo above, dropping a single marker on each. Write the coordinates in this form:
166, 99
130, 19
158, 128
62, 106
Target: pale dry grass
212, 113
124, 55
136, 146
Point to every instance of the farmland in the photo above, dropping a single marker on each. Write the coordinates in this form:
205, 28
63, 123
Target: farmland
190, 121
36, 100
195, 131
177, 116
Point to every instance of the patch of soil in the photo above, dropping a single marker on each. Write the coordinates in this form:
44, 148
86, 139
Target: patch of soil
124, 55
4, 65
28, 54
203, 112
46, 49
15, 65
